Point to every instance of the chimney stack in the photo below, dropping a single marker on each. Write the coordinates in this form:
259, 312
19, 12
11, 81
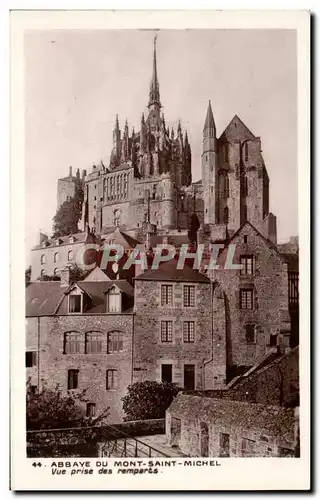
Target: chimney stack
65, 275
70, 171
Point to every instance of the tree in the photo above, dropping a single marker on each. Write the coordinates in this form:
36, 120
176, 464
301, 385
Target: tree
66, 220
148, 399
27, 274
47, 277
51, 409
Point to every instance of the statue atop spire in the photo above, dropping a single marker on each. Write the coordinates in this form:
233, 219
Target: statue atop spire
154, 94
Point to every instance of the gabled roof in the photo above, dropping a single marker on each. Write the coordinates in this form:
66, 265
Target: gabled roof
236, 129
168, 271
123, 286
42, 297
268, 242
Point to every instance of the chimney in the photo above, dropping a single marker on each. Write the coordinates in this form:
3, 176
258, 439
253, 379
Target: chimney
70, 171
78, 174
65, 275
84, 173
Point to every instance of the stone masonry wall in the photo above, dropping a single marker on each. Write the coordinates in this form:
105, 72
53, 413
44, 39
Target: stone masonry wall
149, 352
53, 364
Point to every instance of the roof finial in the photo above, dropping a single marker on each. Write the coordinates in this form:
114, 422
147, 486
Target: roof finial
154, 94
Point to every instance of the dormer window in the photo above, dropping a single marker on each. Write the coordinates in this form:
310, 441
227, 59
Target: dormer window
75, 301
72, 239
114, 300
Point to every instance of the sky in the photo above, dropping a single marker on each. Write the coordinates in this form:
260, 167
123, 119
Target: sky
77, 81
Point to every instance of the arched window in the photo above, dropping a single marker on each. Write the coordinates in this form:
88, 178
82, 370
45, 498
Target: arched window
226, 215
245, 185
115, 342
226, 186
93, 342
56, 257
73, 342
43, 272
56, 271
246, 151
114, 300
70, 255
43, 259
116, 219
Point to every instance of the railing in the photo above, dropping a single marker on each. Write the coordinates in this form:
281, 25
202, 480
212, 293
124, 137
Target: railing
128, 446
110, 440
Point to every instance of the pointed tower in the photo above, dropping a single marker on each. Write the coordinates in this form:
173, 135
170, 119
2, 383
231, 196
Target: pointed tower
210, 168
154, 105
125, 143
116, 153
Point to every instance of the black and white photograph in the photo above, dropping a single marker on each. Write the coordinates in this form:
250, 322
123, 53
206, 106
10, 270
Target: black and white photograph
162, 236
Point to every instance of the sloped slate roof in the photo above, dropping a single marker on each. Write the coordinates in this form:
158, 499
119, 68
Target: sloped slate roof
272, 420
42, 297
168, 271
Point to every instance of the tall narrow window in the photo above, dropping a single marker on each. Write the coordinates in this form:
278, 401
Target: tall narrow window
246, 262
189, 377
224, 445
226, 152
43, 259
93, 342
166, 295
115, 342
56, 272
245, 186
73, 376
91, 410
70, 255
250, 334
246, 151
188, 331
116, 218
189, 295
111, 380
226, 186
166, 373
72, 343
75, 304
56, 257
114, 300
166, 331
246, 299
31, 359
247, 447
226, 215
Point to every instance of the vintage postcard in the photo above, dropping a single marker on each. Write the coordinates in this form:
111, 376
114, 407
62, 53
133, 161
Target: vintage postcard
160, 240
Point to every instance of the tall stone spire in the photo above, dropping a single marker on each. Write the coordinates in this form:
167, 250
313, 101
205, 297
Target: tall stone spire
154, 94
209, 129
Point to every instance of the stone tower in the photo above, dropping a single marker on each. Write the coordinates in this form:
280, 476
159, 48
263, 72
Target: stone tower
210, 169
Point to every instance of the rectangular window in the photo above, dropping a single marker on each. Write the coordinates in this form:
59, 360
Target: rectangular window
166, 331
246, 262
250, 334
74, 303
246, 299
189, 295
224, 445
73, 376
111, 380
31, 359
189, 377
91, 410
114, 301
247, 448
115, 342
188, 331
72, 343
273, 340
166, 373
166, 295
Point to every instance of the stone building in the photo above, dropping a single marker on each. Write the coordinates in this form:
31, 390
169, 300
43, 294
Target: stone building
68, 186
174, 338
79, 336
206, 427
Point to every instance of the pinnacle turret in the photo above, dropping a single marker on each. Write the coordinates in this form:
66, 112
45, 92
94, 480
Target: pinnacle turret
154, 94
209, 129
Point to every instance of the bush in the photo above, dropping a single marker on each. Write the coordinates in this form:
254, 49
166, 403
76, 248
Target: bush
147, 400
